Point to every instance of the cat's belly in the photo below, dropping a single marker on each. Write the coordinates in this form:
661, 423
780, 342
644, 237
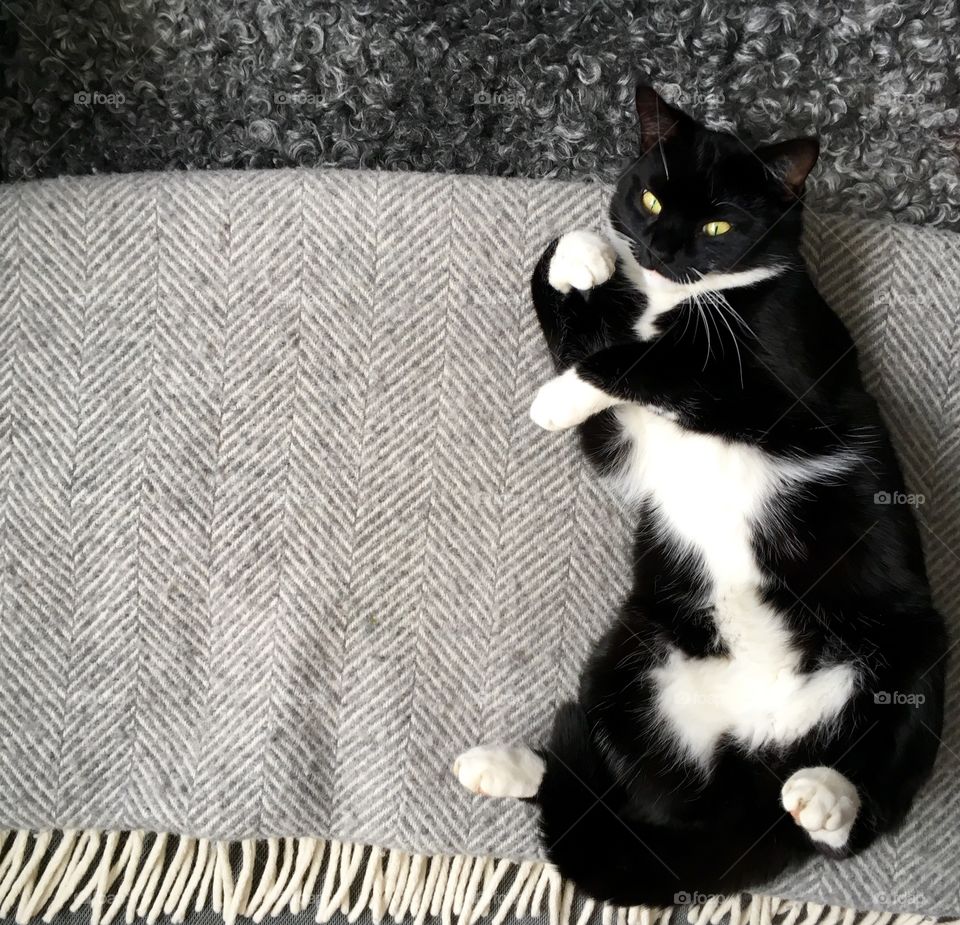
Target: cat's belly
707, 493
755, 702
709, 496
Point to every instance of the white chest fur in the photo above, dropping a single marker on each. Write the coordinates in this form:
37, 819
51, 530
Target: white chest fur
709, 493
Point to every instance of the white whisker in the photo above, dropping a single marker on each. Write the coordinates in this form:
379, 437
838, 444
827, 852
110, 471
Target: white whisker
733, 336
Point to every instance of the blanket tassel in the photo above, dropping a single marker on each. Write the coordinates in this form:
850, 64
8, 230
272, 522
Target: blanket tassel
43, 873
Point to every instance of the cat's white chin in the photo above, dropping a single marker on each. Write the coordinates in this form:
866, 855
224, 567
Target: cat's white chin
654, 280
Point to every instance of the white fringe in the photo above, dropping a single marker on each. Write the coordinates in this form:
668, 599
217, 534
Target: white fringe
206, 880
22, 886
199, 865
42, 873
133, 849
180, 884
55, 869
280, 884
283, 895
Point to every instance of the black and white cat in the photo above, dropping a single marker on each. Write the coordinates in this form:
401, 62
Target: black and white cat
773, 684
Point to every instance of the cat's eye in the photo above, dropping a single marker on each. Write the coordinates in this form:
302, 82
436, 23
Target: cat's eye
715, 228
650, 202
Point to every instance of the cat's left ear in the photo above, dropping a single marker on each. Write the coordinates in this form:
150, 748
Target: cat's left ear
790, 162
658, 119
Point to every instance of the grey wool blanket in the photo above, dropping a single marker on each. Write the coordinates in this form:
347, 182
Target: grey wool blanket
278, 541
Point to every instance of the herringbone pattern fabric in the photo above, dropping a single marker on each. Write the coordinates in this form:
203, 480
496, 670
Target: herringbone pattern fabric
278, 539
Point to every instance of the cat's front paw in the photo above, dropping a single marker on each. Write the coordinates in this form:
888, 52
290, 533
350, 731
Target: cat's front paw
567, 401
498, 771
823, 802
582, 260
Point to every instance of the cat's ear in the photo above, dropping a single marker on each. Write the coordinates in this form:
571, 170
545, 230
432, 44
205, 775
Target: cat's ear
790, 162
658, 119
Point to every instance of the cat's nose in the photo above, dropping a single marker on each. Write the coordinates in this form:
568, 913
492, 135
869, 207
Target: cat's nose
665, 245
665, 257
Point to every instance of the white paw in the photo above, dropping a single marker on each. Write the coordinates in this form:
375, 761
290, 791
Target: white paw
582, 260
567, 401
823, 802
498, 771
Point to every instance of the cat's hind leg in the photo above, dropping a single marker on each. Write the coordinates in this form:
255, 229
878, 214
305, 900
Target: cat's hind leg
823, 803
500, 771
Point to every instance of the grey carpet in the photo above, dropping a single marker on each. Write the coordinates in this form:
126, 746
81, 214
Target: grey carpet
509, 89
278, 539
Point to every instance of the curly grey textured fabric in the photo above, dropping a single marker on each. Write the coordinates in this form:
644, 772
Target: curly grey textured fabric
279, 540
536, 90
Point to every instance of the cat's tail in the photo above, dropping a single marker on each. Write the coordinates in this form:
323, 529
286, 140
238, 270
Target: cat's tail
596, 837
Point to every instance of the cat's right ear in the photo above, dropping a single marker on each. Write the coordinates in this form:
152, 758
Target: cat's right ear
789, 162
658, 119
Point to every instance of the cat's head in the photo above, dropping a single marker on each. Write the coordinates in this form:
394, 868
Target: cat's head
698, 201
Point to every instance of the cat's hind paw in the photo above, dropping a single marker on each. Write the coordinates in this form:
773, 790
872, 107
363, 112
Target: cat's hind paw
823, 802
582, 261
499, 771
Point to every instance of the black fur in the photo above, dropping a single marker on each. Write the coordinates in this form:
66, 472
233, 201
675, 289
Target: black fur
622, 813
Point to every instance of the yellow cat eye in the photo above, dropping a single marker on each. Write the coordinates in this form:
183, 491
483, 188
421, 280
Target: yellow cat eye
715, 228
650, 202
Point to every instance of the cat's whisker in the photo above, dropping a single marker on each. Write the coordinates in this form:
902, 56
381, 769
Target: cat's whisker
690, 315
709, 319
706, 327
706, 298
736, 344
723, 305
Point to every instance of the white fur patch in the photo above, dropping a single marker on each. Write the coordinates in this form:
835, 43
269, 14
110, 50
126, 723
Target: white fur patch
582, 260
709, 493
499, 771
664, 294
566, 401
823, 802
757, 703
